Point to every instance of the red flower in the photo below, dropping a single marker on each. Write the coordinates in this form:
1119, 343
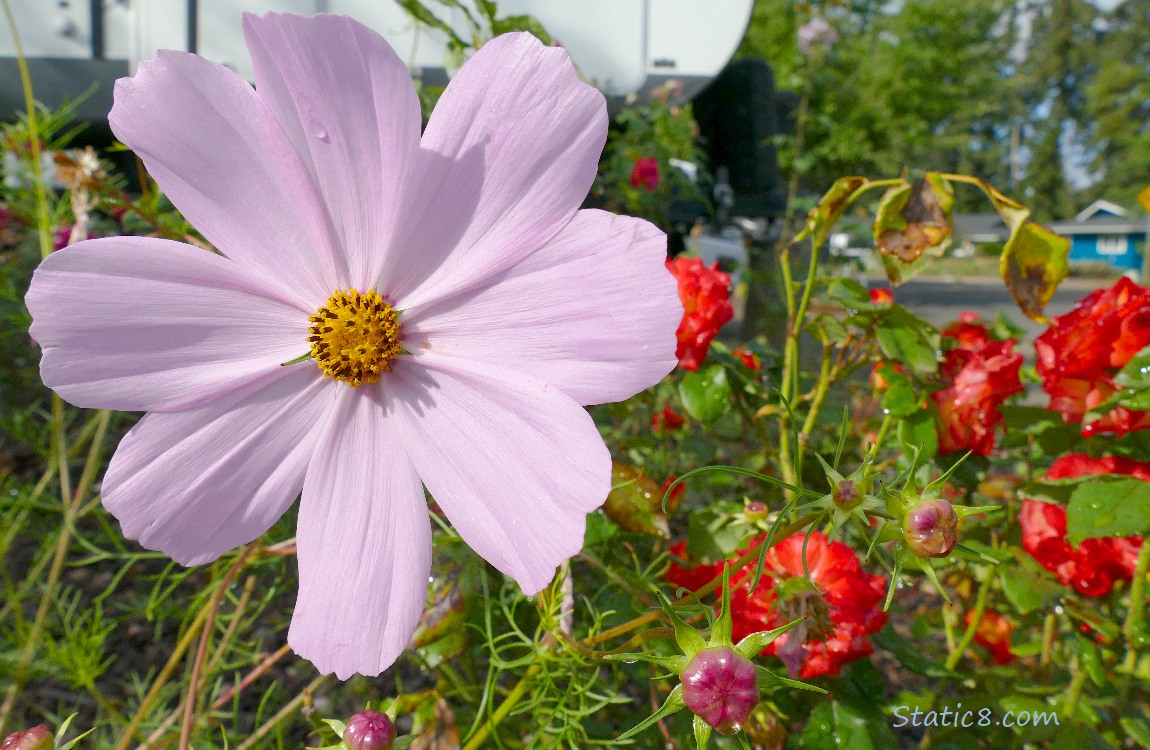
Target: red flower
1096, 564
981, 373
881, 296
749, 358
1083, 349
645, 173
667, 420
993, 634
841, 607
706, 297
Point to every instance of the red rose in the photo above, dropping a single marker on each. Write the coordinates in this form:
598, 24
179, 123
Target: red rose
1083, 349
749, 358
645, 173
993, 634
980, 374
881, 296
667, 420
706, 297
842, 607
1096, 564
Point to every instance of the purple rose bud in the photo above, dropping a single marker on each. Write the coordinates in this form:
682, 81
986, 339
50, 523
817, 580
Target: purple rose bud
369, 730
846, 495
36, 738
931, 528
720, 687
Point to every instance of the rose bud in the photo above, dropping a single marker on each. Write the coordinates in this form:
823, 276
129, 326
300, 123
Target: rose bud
931, 528
721, 688
369, 730
36, 738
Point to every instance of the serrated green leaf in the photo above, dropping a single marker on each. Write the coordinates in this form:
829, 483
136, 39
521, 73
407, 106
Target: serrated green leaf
706, 393
1027, 591
917, 430
904, 337
1100, 508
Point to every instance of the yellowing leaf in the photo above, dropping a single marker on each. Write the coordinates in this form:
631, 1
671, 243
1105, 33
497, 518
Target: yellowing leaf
1033, 263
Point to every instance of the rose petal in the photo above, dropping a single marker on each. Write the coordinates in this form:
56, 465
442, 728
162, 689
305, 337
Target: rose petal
594, 312
509, 155
142, 324
348, 105
514, 462
364, 541
224, 162
198, 483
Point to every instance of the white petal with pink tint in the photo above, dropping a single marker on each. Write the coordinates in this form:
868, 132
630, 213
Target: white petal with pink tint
347, 103
364, 543
142, 324
219, 155
507, 158
197, 483
594, 312
513, 461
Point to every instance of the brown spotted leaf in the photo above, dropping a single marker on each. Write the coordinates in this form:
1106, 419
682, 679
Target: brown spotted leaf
1033, 263
635, 502
913, 221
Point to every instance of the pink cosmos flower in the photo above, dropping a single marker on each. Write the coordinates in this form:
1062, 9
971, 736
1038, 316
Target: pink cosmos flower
333, 215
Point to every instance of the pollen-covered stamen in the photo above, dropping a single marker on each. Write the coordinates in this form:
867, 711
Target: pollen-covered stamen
355, 336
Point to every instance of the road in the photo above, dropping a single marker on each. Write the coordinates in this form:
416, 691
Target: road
940, 300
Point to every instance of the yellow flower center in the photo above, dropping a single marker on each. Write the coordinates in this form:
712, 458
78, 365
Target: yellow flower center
355, 336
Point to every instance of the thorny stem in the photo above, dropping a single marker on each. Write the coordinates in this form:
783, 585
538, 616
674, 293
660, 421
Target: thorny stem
202, 649
283, 713
972, 628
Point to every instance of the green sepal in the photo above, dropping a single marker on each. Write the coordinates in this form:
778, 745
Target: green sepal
723, 628
928, 570
702, 733
689, 640
753, 644
767, 678
962, 511
674, 664
673, 703
402, 743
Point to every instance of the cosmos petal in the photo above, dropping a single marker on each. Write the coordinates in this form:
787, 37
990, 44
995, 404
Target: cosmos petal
142, 324
348, 106
515, 463
508, 156
364, 543
603, 338
198, 483
219, 155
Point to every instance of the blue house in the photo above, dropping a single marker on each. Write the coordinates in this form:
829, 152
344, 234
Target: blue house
1106, 232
